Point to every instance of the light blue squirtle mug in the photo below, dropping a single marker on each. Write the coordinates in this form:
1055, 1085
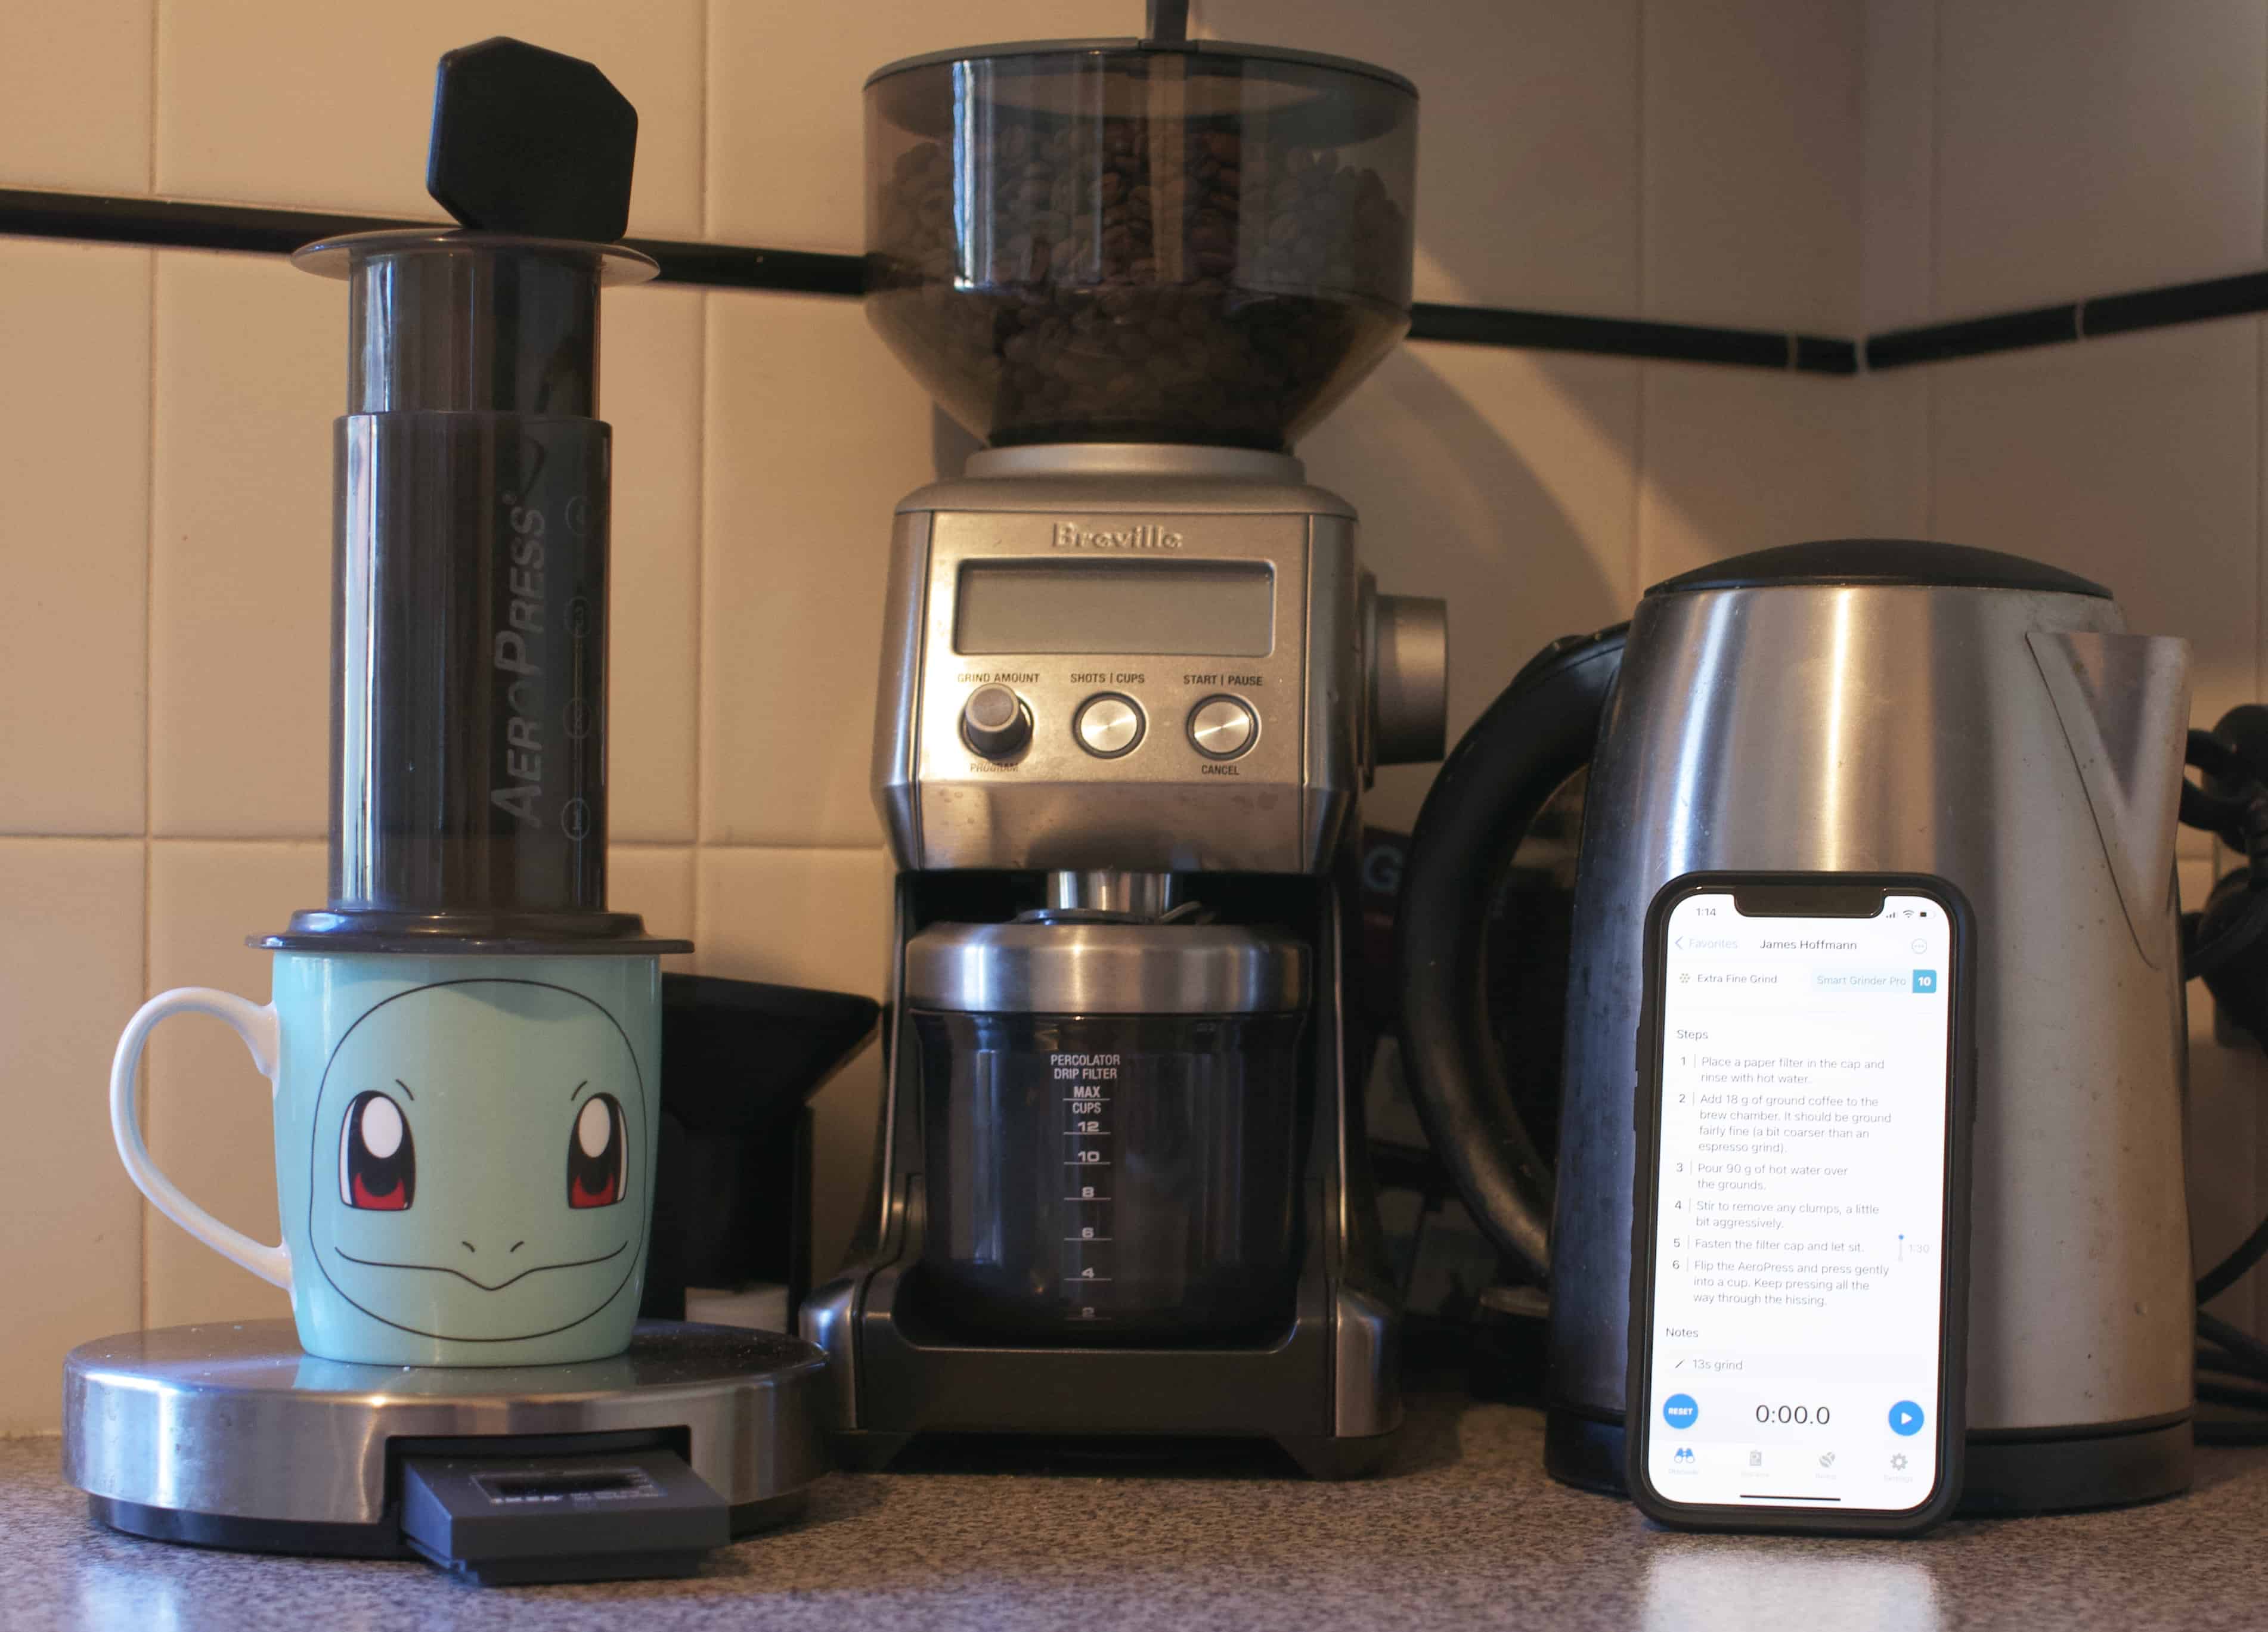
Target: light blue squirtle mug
464, 1150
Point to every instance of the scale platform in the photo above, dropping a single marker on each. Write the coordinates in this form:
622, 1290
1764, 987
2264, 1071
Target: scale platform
233, 1437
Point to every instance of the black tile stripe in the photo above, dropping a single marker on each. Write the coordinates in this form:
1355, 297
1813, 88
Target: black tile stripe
2176, 302
1628, 337
2008, 331
165, 224
2163, 308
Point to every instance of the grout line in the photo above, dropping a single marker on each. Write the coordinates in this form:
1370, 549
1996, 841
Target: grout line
1638, 154
1635, 582
149, 700
704, 475
149, 158
702, 430
721, 847
154, 837
120, 840
1637, 578
1929, 456
1936, 150
708, 136
1936, 239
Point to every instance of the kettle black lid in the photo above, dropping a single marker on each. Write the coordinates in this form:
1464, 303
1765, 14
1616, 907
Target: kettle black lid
1912, 563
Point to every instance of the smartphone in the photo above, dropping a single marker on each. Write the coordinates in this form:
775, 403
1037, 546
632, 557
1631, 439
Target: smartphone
1799, 1248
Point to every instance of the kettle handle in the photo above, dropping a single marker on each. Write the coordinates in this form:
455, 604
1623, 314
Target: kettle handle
1541, 731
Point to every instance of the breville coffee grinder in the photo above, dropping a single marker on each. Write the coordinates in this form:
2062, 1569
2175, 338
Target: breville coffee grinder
1133, 682
467, 828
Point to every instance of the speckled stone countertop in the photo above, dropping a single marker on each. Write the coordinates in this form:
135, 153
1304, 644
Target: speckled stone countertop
1463, 1531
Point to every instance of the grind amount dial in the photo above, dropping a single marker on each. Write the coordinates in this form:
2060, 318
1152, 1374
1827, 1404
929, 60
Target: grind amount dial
995, 722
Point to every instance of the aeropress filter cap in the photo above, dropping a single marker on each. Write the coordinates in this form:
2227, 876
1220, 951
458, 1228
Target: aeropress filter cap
471, 509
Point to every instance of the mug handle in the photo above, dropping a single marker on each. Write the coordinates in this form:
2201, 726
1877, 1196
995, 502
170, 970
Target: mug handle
256, 1024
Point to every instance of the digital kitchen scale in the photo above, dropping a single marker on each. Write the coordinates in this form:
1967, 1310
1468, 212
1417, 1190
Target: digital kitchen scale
233, 1436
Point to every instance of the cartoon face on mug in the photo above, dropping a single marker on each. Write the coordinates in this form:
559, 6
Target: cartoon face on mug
473, 1180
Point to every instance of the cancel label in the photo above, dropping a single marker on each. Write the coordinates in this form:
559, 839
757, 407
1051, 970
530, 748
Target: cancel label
1218, 771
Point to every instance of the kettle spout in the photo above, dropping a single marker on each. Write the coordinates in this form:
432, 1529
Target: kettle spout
2124, 700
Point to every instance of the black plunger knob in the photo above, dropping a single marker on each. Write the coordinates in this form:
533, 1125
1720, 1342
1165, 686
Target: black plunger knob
528, 141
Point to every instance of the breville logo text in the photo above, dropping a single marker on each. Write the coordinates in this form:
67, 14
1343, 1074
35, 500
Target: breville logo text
1070, 535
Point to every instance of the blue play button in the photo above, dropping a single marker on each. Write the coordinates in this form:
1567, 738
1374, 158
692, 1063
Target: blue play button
1679, 1410
1905, 1418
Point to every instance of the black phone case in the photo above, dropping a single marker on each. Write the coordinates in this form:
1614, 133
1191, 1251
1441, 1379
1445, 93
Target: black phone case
1952, 1413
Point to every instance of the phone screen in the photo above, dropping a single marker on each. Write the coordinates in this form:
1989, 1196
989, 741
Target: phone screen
1799, 1206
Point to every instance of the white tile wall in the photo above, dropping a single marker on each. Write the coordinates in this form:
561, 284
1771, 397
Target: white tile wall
1896, 491
1742, 161
277, 102
250, 371
651, 359
1504, 481
1527, 136
2134, 461
656, 881
74, 535
819, 432
71, 1231
786, 119
1739, 459
2089, 146
1751, 163
1898, 159
74, 96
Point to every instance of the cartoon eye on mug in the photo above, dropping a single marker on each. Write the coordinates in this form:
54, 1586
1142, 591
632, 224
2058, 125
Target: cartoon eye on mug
377, 1159
595, 1152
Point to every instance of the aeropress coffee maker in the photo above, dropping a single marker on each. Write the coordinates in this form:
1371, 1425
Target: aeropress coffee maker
463, 1043
1133, 682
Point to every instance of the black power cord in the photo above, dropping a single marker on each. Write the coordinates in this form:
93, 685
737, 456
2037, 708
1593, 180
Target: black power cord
2226, 945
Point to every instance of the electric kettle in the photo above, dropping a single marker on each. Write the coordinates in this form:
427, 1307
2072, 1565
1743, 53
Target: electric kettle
1859, 705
